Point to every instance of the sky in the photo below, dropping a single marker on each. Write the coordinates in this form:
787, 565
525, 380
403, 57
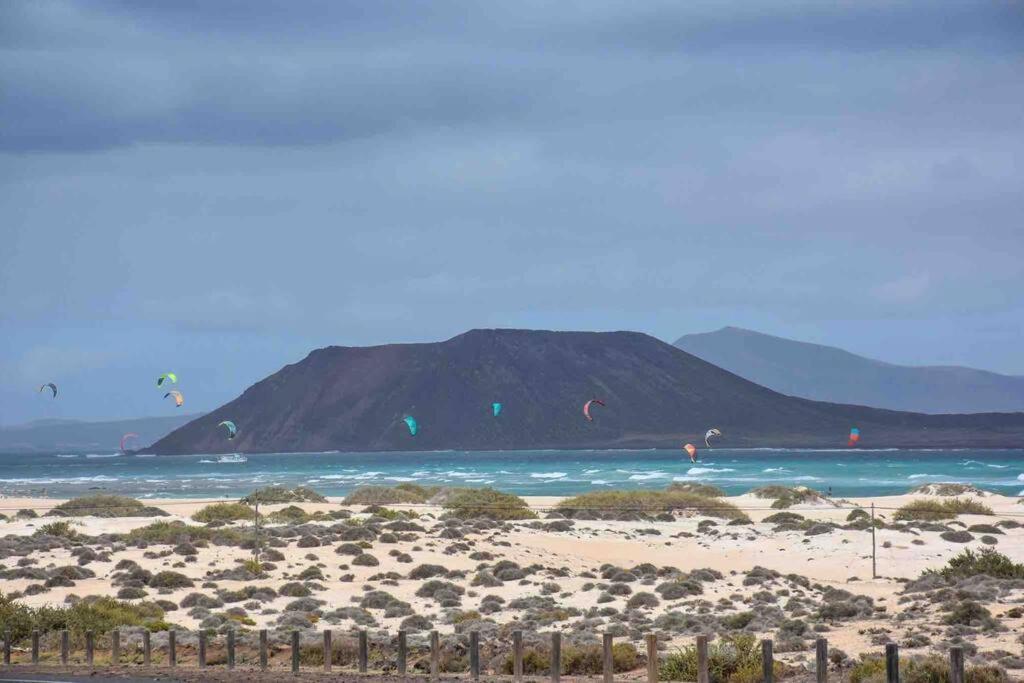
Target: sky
217, 188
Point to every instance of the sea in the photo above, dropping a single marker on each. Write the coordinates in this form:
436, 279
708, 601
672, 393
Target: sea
845, 472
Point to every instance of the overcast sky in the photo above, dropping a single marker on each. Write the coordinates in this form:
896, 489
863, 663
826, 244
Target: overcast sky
216, 188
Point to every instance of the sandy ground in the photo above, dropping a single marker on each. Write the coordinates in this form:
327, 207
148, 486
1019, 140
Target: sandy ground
841, 559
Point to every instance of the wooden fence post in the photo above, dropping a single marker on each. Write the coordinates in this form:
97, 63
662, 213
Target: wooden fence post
65, 647
474, 655
295, 652
147, 649
263, 649
115, 647
556, 656
364, 652
35, 647
892, 663
328, 650
517, 656
7, 648
172, 648
821, 660
435, 654
202, 649
609, 663
231, 649
767, 661
88, 648
401, 653
956, 665
652, 657
702, 660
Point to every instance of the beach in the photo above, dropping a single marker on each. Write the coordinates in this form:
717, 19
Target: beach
582, 576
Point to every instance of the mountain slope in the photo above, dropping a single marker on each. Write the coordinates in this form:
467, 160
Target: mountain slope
825, 373
48, 436
342, 398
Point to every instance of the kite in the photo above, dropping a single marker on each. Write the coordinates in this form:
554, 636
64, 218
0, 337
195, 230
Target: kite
691, 451
713, 432
178, 398
232, 429
167, 377
586, 408
124, 439
854, 437
496, 408
411, 423
53, 388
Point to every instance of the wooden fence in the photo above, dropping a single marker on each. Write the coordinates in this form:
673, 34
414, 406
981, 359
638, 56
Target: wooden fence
956, 655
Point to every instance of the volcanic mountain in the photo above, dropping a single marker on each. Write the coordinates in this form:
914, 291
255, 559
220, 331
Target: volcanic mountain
656, 395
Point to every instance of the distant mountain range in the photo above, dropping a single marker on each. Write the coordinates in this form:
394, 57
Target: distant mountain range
48, 436
825, 373
656, 395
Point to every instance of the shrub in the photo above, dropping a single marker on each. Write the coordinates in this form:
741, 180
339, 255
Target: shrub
486, 502
169, 579
62, 529
927, 669
292, 514
649, 502
787, 496
102, 505
224, 512
589, 659
986, 561
384, 495
698, 489
732, 659
282, 494
934, 510
97, 614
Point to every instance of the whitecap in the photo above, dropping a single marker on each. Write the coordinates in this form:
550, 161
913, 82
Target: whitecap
708, 470
774, 469
648, 475
102, 455
547, 475
600, 482
66, 455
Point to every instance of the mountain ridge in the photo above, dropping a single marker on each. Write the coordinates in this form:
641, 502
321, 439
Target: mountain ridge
827, 373
354, 398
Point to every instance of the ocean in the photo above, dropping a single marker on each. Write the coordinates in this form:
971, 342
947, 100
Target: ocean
848, 472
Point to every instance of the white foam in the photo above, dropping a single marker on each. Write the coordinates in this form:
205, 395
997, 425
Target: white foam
708, 470
648, 475
547, 475
102, 455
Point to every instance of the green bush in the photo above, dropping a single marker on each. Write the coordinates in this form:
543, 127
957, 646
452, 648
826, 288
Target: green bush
732, 659
387, 495
224, 512
104, 505
935, 510
787, 496
486, 502
169, 579
987, 561
62, 529
696, 488
282, 494
927, 669
93, 613
173, 533
649, 502
589, 659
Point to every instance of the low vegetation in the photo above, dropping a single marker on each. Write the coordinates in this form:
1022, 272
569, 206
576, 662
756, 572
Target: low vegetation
696, 488
985, 562
928, 669
282, 494
731, 659
175, 532
787, 496
224, 512
612, 502
61, 529
577, 660
104, 506
935, 510
391, 495
472, 503
94, 613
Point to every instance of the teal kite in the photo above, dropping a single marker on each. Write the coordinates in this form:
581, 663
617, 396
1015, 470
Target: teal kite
411, 423
232, 429
496, 408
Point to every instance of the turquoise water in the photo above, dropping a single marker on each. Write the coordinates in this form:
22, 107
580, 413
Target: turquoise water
847, 472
